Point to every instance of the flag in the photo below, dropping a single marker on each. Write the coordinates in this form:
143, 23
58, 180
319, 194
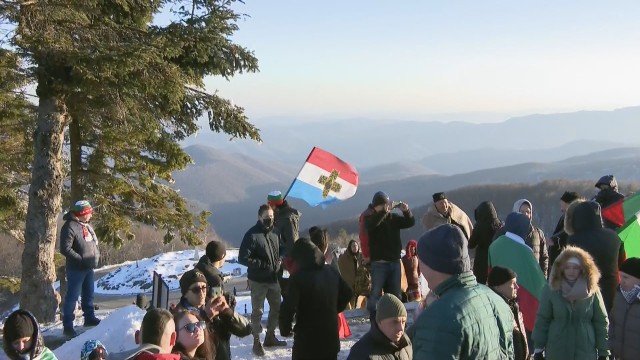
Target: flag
620, 212
324, 179
518, 257
630, 236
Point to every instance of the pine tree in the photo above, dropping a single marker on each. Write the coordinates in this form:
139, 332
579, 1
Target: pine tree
124, 92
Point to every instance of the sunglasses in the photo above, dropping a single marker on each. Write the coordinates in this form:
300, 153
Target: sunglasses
192, 327
199, 289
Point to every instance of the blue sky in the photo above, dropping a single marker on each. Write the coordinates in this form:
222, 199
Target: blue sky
413, 59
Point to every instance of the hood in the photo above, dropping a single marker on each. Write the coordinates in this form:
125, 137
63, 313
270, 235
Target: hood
589, 268
38, 344
518, 224
582, 216
518, 204
486, 213
306, 255
609, 180
411, 244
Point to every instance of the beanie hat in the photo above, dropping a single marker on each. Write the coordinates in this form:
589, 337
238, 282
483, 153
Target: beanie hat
275, 198
500, 275
609, 180
389, 306
216, 250
189, 278
89, 347
631, 266
569, 197
438, 196
444, 249
18, 325
380, 198
81, 208
518, 224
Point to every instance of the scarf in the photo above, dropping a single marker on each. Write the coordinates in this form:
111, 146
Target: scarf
631, 295
577, 291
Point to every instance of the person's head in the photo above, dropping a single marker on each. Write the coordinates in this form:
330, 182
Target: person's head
566, 199
391, 317
216, 251
190, 330
320, 238
275, 199
523, 206
354, 247
82, 210
412, 248
518, 224
158, 328
380, 200
443, 253
572, 269
630, 274
574, 263
93, 350
20, 332
503, 281
441, 203
607, 182
193, 285
265, 216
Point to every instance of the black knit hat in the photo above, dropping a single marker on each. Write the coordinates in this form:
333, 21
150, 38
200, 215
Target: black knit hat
379, 198
444, 249
216, 250
438, 196
569, 197
500, 275
17, 326
631, 266
189, 278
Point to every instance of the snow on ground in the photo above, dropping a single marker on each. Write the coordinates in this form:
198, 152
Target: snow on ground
136, 277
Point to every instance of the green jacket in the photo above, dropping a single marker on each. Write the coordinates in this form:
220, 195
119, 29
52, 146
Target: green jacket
468, 321
567, 332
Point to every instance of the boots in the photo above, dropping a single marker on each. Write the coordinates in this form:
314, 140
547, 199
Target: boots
258, 350
271, 340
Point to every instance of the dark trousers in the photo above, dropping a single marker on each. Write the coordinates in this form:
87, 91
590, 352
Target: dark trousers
385, 276
78, 281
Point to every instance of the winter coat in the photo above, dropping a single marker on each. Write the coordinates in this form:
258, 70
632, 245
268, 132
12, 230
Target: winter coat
383, 230
349, 263
467, 321
411, 268
374, 345
520, 346
80, 254
484, 231
317, 294
624, 331
569, 331
559, 238
38, 351
535, 240
456, 217
286, 220
583, 223
213, 274
259, 252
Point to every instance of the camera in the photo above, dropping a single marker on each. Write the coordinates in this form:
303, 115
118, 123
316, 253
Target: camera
214, 292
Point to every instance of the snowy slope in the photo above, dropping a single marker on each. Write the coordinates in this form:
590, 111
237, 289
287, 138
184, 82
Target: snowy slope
136, 277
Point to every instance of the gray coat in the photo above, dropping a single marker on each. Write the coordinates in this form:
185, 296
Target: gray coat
624, 329
80, 254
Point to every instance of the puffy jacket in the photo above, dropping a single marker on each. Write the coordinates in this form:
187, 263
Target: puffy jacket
374, 345
467, 321
583, 223
383, 229
38, 351
286, 220
259, 252
624, 331
80, 254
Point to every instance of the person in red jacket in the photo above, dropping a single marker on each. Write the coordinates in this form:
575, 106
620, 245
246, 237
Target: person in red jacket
412, 271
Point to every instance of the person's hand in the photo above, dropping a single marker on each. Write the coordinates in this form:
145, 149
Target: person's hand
403, 207
220, 304
211, 309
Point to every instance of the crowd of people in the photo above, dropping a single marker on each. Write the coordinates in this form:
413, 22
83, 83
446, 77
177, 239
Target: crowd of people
571, 295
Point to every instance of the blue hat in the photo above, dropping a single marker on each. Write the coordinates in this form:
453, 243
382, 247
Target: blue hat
444, 249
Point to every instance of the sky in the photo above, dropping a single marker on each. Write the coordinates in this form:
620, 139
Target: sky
418, 59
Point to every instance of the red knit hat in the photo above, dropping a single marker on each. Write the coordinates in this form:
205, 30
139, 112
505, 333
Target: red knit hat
81, 208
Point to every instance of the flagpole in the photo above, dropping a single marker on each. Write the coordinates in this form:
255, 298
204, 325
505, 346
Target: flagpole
294, 179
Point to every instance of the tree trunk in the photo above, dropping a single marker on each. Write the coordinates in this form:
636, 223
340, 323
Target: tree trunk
38, 271
75, 154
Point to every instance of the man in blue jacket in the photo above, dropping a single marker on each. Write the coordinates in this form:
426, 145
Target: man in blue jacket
79, 244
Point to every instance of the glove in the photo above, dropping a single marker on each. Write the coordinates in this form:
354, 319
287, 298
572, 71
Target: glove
538, 356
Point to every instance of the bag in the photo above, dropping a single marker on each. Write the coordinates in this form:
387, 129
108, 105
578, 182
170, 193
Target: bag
362, 286
344, 331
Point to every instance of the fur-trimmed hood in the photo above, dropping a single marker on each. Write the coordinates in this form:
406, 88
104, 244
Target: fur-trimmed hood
589, 269
582, 216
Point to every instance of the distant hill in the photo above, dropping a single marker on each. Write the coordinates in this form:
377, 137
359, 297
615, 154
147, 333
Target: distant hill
367, 143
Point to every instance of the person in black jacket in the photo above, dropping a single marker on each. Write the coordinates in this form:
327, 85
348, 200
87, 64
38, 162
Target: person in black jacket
484, 231
583, 223
607, 196
229, 323
558, 240
79, 244
383, 228
260, 253
286, 222
317, 294
387, 338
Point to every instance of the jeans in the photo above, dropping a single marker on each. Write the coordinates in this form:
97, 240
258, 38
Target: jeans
385, 276
77, 281
259, 292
